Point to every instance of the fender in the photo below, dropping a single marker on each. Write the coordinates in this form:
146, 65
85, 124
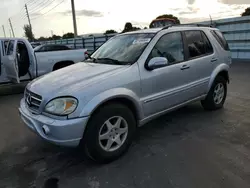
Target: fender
221, 67
115, 93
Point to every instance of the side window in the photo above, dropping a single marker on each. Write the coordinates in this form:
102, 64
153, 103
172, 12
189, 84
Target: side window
64, 48
58, 48
221, 39
48, 48
196, 45
169, 46
42, 49
10, 47
208, 45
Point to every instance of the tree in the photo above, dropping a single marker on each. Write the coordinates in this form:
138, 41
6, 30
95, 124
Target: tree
28, 32
68, 36
56, 37
247, 12
129, 27
42, 39
169, 16
110, 31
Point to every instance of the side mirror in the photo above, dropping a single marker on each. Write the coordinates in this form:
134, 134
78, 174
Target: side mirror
157, 62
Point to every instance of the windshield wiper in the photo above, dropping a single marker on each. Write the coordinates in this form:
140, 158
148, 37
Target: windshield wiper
115, 61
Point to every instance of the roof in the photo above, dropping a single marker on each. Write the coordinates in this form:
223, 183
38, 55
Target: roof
10, 38
153, 30
171, 28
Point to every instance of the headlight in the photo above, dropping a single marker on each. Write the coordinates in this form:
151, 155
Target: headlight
61, 106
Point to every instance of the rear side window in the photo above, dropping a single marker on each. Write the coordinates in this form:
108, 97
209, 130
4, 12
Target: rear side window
221, 39
208, 46
57, 48
63, 48
197, 44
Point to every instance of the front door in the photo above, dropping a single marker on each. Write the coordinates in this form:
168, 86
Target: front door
165, 87
10, 62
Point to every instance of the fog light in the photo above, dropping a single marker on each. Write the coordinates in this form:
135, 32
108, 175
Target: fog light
46, 130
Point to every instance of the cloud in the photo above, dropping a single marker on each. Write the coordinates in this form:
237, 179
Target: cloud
87, 13
186, 20
140, 24
190, 2
186, 11
231, 2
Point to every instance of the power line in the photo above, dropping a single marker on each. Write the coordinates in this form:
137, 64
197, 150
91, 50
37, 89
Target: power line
34, 2
48, 10
18, 14
28, 1
40, 8
36, 6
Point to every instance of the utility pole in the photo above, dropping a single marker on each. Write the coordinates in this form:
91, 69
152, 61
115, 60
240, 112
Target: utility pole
11, 28
10, 32
4, 31
74, 17
28, 16
51, 33
211, 20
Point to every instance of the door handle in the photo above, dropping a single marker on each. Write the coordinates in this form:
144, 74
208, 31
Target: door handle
214, 59
184, 67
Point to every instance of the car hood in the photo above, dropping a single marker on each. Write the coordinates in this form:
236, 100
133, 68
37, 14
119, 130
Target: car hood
71, 79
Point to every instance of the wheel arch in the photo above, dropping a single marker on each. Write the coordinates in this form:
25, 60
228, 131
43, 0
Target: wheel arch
123, 96
221, 70
62, 64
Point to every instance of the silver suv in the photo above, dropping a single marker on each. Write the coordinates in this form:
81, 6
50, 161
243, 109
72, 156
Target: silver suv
133, 78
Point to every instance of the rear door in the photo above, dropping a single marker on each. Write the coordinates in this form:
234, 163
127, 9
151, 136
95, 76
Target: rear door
225, 53
201, 60
10, 62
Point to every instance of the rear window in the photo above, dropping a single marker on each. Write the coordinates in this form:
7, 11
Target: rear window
221, 39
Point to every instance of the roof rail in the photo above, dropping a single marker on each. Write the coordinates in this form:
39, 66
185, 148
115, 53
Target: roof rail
180, 25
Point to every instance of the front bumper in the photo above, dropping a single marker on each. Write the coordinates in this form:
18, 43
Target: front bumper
60, 132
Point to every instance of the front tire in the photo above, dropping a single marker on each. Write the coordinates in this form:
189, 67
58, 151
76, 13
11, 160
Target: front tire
217, 95
109, 133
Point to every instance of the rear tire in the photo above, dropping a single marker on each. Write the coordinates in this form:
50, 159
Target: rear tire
216, 97
104, 140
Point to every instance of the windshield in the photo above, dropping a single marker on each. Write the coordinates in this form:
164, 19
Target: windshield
123, 49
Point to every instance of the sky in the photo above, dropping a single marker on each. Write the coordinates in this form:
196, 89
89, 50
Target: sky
96, 16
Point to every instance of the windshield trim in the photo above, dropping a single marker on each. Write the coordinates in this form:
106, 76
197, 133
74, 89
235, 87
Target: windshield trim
130, 33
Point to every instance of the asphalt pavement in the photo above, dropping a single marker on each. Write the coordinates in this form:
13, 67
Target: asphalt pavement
188, 148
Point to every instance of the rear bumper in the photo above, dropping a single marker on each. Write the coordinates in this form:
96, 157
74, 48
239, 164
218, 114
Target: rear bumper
59, 132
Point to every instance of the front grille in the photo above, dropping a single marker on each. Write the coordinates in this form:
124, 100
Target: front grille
33, 100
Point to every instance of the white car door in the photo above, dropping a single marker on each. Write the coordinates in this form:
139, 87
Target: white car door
10, 62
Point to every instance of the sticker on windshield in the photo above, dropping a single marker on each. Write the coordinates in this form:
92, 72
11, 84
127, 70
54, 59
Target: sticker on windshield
141, 41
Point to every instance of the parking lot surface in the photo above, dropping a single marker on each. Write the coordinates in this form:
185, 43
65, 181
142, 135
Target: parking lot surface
188, 148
